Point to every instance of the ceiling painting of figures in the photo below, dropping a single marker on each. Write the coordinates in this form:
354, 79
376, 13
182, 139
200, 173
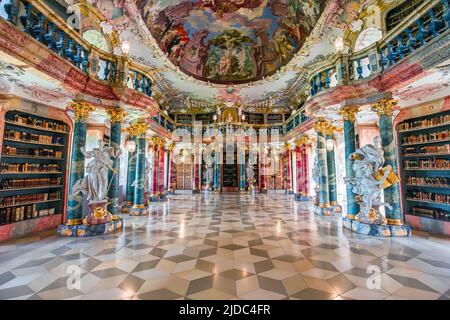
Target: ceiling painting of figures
230, 41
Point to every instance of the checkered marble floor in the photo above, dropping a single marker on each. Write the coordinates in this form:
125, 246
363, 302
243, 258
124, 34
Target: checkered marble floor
226, 246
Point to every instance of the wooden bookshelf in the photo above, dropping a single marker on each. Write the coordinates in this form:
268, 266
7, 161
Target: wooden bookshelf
35, 152
425, 170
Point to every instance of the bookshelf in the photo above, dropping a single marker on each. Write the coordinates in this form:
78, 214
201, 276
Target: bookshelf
230, 177
32, 169
424, 154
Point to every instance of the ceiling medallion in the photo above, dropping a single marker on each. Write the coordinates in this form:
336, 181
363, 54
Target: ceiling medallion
230, 41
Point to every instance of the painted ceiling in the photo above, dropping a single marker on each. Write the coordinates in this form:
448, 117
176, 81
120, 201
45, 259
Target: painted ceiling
230, 41
227, 51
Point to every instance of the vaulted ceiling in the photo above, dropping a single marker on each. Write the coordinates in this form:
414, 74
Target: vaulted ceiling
249, 52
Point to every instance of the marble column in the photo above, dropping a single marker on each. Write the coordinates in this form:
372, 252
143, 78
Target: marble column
197, 164
131, 176
305, 164
155, 185
139, 130
116, 116
262, 172
75, 202
349, 116
384, 108
331, 166
172, 179
242, 180
162, 155
288, 158
324, 200
216, 170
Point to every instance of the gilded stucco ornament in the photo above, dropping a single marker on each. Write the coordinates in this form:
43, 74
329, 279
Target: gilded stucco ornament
349, 113
82, 109
138, 129
385, 107
116, 115
303, 140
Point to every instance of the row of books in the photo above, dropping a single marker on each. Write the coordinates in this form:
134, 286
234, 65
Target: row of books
44, 124
16, 214
29, 183
27, 198
418, 124
8, 150
428, 181
32, 137
437, 164
432, 213
427, 137
444, 149
428, 196
29, 167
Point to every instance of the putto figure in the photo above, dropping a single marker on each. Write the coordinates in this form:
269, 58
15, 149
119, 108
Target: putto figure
369, 181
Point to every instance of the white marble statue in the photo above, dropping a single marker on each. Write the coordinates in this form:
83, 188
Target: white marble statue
368, 161
148, 175
95, 184
209, 175
250, 174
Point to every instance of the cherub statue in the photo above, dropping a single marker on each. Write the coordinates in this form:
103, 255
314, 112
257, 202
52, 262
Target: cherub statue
368, 183
95, 183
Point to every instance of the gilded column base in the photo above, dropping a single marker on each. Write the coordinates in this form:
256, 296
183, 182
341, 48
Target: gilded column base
74, 222
138, 210
377, 230
81, 230
162, 197
323, 210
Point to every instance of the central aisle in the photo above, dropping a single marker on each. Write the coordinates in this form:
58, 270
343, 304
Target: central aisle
225, 246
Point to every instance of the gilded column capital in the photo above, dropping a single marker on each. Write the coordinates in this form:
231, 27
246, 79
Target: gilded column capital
116, 115
321, 126
138, 129
349, 113
385, 107
303, 140
82, 109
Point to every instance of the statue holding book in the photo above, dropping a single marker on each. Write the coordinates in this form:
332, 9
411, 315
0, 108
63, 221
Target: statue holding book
369, 181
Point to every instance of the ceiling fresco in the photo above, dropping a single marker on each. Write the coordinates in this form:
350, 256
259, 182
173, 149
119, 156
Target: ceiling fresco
195, 25
230, 41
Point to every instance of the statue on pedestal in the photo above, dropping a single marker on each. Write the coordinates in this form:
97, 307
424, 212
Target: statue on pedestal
209, 175
250, 174
315, 174
369, 181
95, 184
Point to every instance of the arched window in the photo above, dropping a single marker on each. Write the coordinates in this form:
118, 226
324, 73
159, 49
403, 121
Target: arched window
97, 39
400, 12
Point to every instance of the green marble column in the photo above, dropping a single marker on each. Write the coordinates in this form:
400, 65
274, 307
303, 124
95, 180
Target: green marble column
324, 199
139, 130
331, 168
131, 175
75, 202
116, 116
349, 115
384, 108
